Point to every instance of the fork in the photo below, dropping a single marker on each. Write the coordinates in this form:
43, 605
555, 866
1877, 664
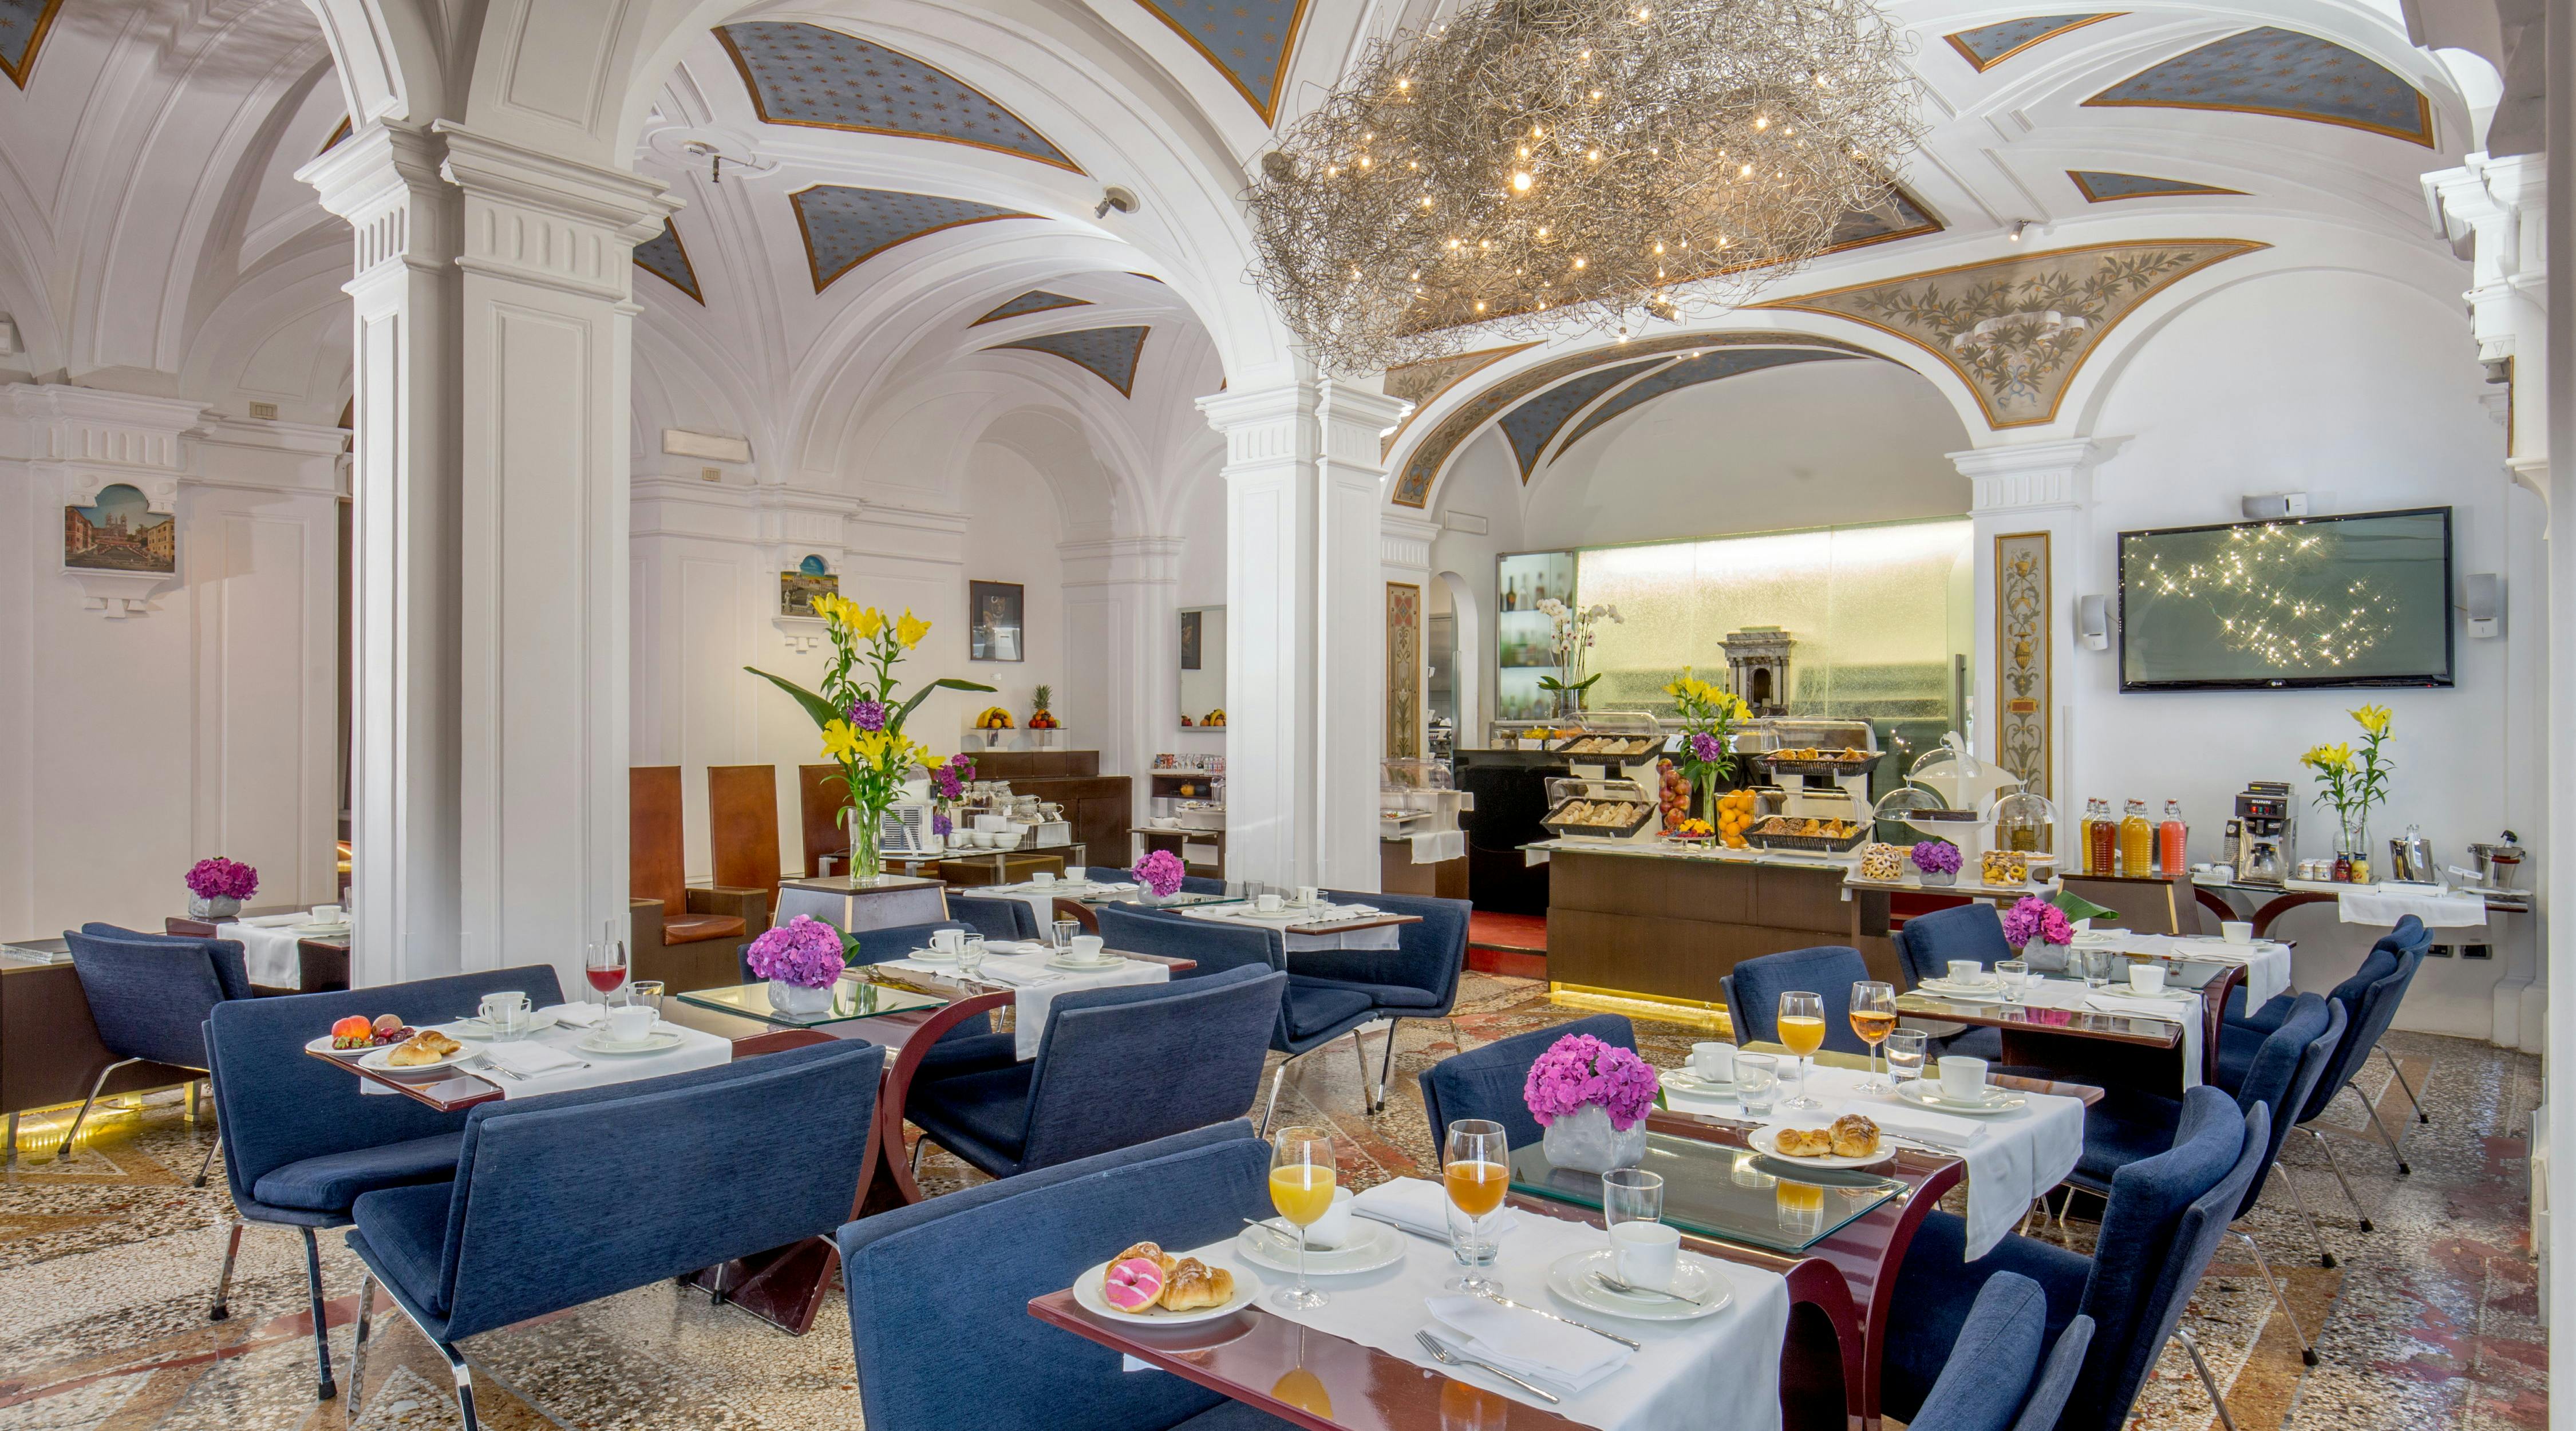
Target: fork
1626, 1289
1446, 1357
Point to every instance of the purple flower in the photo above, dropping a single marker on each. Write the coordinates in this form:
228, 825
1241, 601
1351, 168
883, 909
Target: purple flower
220, 878
2036, 918
1580, 1071
867, 714
949, 777
940, 824
1936, 857
804, 952
1706, 748
1159, 872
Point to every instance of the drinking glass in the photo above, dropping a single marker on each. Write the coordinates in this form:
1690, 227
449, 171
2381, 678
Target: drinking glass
604, 964
1802, 1028
970, 956
1873, 1017
1906, 1049
1757, 1083
1631, 1195
2096, 963
2015, 974
1301, 1187
647, 992
1065, 929
1474, 1167
1642, 1253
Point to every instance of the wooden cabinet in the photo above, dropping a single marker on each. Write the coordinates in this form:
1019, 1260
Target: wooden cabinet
1101, 808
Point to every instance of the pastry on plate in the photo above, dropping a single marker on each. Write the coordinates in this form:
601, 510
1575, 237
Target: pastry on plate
1136, 1278
1854, 1136
1194, 1284
425, 1047
1803, 1142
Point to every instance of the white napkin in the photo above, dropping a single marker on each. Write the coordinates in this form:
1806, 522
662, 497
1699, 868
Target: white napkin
580, 1016
1938, 1129
2169, 1010
531, 1059
1418, 1205
1014, 978
276, 921
1556, 1356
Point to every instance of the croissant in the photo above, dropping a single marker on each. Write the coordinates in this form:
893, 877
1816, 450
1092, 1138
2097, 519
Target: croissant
427, 1046
1151, 1252
1804, 1142
1854, 1136
1194, 1284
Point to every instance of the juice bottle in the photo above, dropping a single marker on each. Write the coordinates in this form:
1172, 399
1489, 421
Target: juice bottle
2084, 841
2137, 842
2173, 840
2099, 858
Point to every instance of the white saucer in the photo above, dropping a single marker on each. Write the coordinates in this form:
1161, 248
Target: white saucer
2171, 996
1957, 994
1933, 1099
1570, 1277
1766, 1141
931, 956
660, 1040
1373, 1245
474, 1027
1086, 1294
1066, 961
1682, 1080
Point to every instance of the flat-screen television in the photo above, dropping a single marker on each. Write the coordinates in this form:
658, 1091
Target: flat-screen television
2305, 602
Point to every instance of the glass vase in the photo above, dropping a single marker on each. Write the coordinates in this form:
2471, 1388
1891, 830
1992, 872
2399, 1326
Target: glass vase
1585, 1141
865, 863
2354, 836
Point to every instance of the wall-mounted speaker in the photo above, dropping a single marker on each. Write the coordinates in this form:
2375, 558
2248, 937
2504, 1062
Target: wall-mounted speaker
2484, 598
2093, 622
2275, 506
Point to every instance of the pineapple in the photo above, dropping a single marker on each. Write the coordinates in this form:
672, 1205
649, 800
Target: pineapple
1040, 717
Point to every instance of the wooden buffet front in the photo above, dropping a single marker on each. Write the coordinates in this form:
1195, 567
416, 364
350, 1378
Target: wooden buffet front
1658, 924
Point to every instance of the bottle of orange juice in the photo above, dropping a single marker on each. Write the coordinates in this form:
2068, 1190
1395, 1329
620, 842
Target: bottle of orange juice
2137, 842
2173, 840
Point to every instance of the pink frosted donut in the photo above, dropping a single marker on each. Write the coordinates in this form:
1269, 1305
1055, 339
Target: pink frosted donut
1133, 1284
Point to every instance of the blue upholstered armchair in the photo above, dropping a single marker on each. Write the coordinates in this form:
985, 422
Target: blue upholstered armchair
1417, 979
1487, 1082
301, 1143
569, 1197
1927, 943
1828, 971
911, 1311
2370, 999
1115, 1067
1994, 1380
995, 917
2164, 1218
1312, 1015
150, 994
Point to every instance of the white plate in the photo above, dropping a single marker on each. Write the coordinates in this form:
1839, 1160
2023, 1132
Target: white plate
476, 1028
1569, 1277
1376, 1245
319, 931
1061, 961
375, 1059
931, 956
1682, 1080
1987, 994
658, 1041
1086, 1294
1766, 1141
1932, 1098
2170, 996
322, 1045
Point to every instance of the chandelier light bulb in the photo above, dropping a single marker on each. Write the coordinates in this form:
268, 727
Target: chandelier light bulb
1521, 183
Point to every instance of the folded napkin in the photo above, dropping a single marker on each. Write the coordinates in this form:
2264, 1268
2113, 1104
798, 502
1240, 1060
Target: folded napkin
1938, 1129
2169, 1010
1418, 1205
1557, 1356
580, 1016
532, 1059
1013, 978
1336, 912
276, 921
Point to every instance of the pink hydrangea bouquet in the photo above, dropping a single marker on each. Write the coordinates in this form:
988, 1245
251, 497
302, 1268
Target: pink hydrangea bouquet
2035, 918
804, 953
1580, 1071
1936, 857
1159, 872
220, 878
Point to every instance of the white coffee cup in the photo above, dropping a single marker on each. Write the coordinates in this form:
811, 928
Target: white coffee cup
1042, 877
1962, 1078
1308, 894
1086, 949
1076, 874
1267, 904
2146, 977
630, 1024
948, 941
328, 914
505, 1012
1333, 1229
2236, 931
1968, 973
1713, 1061
1646, 1254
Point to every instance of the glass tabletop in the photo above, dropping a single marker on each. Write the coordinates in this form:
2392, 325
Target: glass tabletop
851, 999
1732, 1194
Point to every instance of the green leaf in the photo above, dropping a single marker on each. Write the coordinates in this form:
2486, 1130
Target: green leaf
923, 694
2078, 907
823, 711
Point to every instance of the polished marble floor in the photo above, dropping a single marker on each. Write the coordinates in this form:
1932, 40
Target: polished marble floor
106, 1263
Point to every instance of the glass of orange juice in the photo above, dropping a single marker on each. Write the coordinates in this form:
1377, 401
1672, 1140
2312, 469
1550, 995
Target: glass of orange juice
1475, 1167
1802, 1029
1873, 1017
1301, 1187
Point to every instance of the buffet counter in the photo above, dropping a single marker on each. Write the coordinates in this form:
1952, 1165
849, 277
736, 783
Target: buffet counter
1649, 920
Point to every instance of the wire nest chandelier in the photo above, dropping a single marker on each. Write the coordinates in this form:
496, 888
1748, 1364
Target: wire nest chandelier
1535, 163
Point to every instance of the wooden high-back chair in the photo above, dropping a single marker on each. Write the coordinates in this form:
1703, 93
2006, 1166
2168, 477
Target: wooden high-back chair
819, 802
684, 937
742, 824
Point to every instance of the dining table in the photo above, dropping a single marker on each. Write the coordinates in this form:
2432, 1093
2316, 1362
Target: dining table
2061, 1025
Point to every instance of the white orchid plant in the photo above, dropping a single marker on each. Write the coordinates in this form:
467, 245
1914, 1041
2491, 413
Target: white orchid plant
1571, 636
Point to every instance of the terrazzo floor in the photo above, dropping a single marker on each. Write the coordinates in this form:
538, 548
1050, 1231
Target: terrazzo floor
107, 1262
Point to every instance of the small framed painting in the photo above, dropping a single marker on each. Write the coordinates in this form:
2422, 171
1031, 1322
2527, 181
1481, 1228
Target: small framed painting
1193, 648
797, 589
120, 532
993, 611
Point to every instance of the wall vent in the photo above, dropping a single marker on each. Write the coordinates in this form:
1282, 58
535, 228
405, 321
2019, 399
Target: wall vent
264, 411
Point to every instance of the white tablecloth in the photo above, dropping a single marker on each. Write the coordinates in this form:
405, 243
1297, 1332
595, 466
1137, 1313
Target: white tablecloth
1719, 1373
2266, 961
697, 1049
1034, 985
2011, 1158
268, 947
1041, 898
1384, 936
2111, 999
1433, 846
2380, 906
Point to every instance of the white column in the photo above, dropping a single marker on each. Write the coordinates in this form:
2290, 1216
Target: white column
405, 545
1122, 663
1305, 630
2558, 856
2033, 487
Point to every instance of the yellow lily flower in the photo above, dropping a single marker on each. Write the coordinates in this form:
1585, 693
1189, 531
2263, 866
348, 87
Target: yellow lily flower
841, 741
2327, 757
910, 629
2373, 719
867, 623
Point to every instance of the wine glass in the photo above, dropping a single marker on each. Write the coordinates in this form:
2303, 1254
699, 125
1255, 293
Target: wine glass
1802, 1028
604, 964
1907, 1049
1873, 1017
1474, 1167
1301, 1187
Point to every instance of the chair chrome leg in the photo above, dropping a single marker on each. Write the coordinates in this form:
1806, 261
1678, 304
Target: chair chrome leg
358, 1352
1386, 1065
2192, 1348
2336, 1163
204, 1167
2412, 1101
2316, 1229
2280, 1298
464, 1375
321, 1328
96, 1084
1274, 1095
224, 1279
917, 1145
2387, 1137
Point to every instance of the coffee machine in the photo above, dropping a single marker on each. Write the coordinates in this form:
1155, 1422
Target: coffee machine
2267, 833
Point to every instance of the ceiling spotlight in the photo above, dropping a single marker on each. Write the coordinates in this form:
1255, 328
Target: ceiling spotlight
2020, 227
1114, 197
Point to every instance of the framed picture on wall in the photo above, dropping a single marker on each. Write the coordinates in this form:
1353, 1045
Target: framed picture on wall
120, 532
797, 589
993, 610
1192, 651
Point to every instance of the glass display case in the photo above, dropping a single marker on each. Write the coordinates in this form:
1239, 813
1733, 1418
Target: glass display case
1612, 741
1601, 809
1523, 635
1418, 797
